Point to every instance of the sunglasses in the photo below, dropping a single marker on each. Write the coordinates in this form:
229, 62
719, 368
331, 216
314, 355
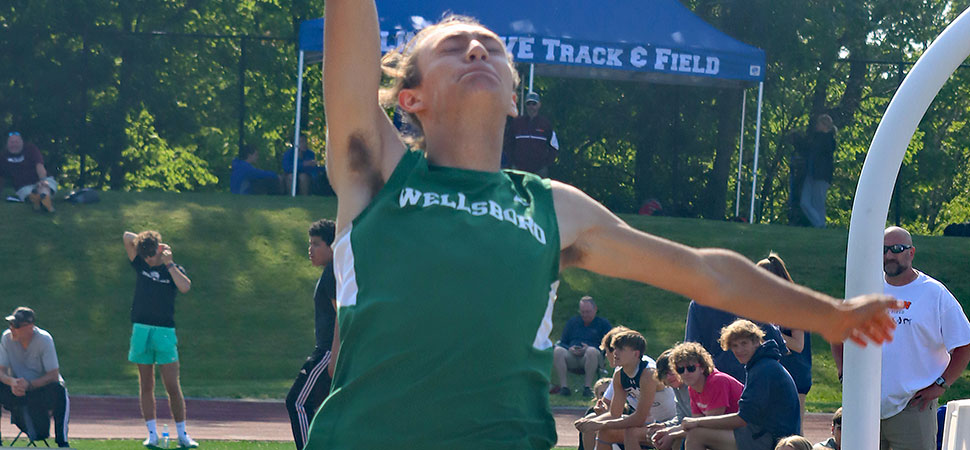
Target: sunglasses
690, 369
896, 248
13, 133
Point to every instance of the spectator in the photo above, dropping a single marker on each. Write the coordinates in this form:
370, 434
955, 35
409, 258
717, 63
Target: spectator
312, 384
153, 340
794, 443
704, 326
768, 408
247, 179
23, 163
31, 374
668, 377
834, 442
310, 173
929, 351
533, 145
602, 405
798, 362
599, 406
636, 377
577, 347
712, 393
817, 148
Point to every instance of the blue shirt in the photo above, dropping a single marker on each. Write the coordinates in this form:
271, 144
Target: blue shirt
704, 327
306, 155
578, 333
243, 174
769, 402
799, 365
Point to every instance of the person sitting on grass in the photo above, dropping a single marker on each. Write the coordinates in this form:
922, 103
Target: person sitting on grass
636, 377
768, 409
247, 179
669, 378
24, 165
711, 392
598, 406
794, 443
835, 441
576, 349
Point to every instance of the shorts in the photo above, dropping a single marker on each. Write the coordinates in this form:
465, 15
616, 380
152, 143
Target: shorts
24, 191
746, 440
153, 345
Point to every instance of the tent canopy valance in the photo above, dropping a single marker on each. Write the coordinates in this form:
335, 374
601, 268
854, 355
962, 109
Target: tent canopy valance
656, 40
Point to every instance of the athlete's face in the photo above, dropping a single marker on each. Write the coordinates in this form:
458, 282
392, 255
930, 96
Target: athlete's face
743, 349
673, 380
319, 252
626, 356
460, 62
695, 378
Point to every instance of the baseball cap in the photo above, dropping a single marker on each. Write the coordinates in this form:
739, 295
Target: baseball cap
532, 97
20, 316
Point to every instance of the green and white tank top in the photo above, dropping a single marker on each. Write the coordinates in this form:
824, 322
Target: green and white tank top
445, 290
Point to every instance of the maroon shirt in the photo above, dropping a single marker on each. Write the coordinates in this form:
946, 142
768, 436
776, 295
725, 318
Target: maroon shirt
22, 167
531, 147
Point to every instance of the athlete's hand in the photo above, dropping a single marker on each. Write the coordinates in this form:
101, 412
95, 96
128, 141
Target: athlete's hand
166, 253
861, 318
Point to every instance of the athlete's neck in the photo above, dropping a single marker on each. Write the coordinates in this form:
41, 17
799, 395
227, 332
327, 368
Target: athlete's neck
474, 143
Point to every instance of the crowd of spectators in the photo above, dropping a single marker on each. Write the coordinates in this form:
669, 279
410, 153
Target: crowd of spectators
738, 384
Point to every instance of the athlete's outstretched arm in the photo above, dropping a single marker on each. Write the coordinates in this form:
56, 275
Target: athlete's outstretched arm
362, 145
595, 239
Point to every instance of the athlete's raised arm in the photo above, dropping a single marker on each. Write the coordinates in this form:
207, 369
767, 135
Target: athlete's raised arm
595, 239
362, 145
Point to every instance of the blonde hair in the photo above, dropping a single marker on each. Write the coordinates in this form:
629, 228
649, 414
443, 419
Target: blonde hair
795, 441
740, 329
401, 66
686, 352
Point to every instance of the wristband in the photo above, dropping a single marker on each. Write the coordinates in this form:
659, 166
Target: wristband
170, 265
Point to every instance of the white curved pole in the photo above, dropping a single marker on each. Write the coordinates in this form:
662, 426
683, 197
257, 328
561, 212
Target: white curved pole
863, 366
757, 150
737, 201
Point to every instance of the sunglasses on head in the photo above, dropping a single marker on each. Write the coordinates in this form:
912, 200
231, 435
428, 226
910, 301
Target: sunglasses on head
896, 248
691, 368
13, 133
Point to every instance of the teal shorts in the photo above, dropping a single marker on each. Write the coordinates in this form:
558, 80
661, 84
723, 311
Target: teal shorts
153, 345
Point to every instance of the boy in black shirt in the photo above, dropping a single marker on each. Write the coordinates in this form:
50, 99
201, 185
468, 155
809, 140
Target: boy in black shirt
312, 384
153, 339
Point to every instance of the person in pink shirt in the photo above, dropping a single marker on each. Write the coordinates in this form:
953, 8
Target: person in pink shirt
712, 393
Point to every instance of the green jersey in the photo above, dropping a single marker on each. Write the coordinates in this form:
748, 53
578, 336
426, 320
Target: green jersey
446, 284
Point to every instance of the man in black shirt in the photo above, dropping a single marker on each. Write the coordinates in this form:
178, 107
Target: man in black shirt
153, 341
312, 384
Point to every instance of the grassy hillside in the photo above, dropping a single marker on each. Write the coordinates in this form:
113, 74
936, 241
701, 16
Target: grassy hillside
246, 326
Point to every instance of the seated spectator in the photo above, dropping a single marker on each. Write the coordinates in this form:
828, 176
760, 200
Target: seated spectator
794, 443
599, 405
576, 349
636, 377
768, 408
668, 377
712, 393
30, 374
247, 179
602, 405
834, 442
24, 165
309, 173
704, 326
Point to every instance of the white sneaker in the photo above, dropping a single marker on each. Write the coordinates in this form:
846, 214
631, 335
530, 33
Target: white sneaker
151, 442
187, 442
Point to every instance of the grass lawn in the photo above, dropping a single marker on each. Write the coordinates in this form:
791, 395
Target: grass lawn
247, 324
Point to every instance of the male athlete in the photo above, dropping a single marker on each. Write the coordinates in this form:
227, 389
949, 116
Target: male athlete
447, 267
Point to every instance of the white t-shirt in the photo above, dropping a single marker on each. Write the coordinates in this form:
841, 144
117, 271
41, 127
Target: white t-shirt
664, 405
930, 326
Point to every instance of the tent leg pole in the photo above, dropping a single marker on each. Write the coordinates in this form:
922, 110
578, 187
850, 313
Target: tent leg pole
737, 200
532, 73
296, 133
757, 149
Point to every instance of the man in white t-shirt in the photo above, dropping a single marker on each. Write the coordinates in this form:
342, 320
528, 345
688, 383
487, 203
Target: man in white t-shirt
929, 351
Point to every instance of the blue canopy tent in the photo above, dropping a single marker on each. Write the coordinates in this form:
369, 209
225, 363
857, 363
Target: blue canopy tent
658, 41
